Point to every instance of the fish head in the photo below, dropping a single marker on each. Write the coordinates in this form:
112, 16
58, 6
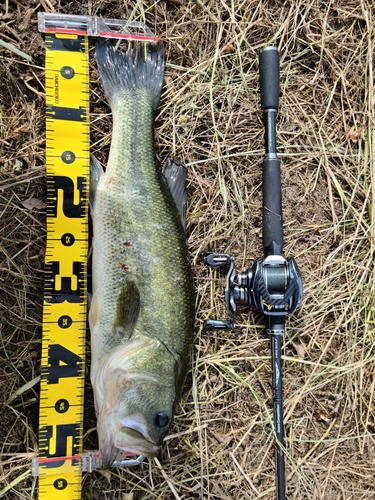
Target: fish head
134, 409
136, 420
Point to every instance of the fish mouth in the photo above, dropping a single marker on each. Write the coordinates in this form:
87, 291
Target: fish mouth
127, 440
130, 441
116, 451
132, 451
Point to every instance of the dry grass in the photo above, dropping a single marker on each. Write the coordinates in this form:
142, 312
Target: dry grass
220, 446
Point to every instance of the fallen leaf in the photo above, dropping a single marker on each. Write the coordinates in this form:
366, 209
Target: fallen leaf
33, 203
229, 48
300, 350
354, 134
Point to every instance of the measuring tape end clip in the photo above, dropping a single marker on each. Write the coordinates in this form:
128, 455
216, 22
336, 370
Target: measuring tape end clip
50, 22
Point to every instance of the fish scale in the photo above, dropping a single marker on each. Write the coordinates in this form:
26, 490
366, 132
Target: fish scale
133, 204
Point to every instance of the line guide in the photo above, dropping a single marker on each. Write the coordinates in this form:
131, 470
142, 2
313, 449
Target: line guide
61, 459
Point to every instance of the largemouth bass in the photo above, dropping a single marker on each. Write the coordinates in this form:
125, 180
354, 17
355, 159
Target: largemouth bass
142, 309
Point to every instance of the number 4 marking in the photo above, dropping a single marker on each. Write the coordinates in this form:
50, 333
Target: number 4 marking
62, 363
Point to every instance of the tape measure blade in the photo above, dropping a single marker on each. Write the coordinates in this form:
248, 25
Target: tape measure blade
65, 303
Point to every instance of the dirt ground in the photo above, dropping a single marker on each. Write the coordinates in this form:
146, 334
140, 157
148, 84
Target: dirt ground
221, 442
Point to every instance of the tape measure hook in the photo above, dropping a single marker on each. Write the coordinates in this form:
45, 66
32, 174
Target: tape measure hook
51, 22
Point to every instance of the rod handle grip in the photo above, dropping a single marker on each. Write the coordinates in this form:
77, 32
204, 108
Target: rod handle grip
269, 70
272, 213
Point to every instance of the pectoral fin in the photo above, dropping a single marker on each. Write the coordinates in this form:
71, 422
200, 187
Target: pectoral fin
175, 175
127, 310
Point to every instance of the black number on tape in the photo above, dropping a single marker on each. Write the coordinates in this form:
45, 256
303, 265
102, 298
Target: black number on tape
60, 484
67, 72
61, 433
66, 184
68, 157
65, 321
71, 367
67, 239
62, 406
65, 291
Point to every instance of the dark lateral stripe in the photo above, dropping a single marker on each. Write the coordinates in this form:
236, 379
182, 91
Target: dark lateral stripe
65, 44
61, 113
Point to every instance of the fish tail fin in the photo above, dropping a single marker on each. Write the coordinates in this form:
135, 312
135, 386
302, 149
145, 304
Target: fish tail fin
138, 68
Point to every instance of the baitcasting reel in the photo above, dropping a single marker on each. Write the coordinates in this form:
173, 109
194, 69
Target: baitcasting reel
272, 285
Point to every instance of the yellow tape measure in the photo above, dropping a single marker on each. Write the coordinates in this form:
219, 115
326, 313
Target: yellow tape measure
64, 311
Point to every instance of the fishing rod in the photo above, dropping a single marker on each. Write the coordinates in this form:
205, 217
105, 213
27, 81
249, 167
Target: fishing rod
273, 285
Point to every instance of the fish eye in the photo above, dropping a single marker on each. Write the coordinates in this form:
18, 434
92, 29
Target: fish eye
162, 419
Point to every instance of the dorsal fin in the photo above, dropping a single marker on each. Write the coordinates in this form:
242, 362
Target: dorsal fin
175, 175
96, 171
